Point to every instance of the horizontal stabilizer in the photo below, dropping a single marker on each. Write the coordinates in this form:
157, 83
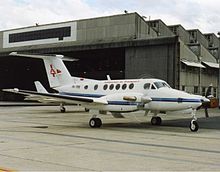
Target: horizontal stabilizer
45, 56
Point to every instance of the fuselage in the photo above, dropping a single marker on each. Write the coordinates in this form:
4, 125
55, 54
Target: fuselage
130, 95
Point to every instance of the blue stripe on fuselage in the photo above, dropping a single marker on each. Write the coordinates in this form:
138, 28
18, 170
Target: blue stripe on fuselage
155, 99
82, 95
179, 100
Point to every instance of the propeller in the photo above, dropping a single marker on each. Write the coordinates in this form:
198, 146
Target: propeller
206, 104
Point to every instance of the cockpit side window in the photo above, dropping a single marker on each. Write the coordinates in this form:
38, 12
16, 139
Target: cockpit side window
161, 84
153, 87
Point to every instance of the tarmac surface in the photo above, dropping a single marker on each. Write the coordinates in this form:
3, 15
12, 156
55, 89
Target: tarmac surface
44, 139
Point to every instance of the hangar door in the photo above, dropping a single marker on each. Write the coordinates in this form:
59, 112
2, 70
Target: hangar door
96, 64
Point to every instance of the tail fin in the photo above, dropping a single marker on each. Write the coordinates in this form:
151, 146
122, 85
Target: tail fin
57, 73
40, 88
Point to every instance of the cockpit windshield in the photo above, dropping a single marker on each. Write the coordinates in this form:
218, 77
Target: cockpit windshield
161, 84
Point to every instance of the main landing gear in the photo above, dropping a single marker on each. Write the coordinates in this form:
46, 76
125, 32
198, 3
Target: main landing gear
95, 122
156, 120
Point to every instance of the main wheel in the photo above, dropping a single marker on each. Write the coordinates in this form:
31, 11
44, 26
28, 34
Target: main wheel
62, 109
95, 122
194, 126
86, 110
99, 122
156, 120
159, 120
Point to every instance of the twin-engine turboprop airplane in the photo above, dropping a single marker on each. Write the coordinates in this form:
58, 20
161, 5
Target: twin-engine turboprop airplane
114, 96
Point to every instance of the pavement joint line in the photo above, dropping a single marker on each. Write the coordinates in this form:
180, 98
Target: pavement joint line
40, 161
112, 141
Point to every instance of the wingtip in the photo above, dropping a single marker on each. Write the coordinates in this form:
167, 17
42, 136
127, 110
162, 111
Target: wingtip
11, 90
13, 53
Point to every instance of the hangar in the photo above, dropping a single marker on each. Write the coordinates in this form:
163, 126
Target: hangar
122, 46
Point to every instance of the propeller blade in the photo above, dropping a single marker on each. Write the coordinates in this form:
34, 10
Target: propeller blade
206, 112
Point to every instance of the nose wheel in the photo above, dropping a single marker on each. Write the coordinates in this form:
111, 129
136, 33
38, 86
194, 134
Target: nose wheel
95, 122
194, 126
62, 108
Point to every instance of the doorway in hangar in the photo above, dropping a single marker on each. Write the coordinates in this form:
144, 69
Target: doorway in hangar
97, 64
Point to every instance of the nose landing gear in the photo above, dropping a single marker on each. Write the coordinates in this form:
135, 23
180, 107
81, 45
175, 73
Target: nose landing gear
194, 126
62, 108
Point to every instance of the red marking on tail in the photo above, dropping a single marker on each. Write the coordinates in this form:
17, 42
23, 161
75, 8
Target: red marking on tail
54, 71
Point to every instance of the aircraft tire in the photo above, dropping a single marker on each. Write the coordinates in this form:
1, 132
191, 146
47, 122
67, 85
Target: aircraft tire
159, 120
99, 122
194, 126
156, 120
63, 109
86, 110
95, 122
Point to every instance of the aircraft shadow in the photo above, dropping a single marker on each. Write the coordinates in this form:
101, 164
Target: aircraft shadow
178, 124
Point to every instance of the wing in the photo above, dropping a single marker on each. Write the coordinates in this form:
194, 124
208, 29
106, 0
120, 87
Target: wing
52, 97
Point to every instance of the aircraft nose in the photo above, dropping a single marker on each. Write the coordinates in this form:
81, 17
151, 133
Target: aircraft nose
205, 100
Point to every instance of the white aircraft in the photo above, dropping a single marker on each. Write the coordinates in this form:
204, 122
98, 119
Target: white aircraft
114, 96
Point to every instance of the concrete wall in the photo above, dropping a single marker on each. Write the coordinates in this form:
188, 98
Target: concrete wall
189, 78
143, 30
160, 28
181, 32
186, 53
213, 44
105, 28
197, 37
212, 39
89, 31
157, 61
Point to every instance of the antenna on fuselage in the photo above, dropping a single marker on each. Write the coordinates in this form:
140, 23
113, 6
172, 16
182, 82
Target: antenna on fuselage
108, 77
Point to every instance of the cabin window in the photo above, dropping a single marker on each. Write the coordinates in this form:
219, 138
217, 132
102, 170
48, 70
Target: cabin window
131, 86
105, 87
86, 87
124, 86
96, 87
117, 86
147, 86
161, 84
111, 86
